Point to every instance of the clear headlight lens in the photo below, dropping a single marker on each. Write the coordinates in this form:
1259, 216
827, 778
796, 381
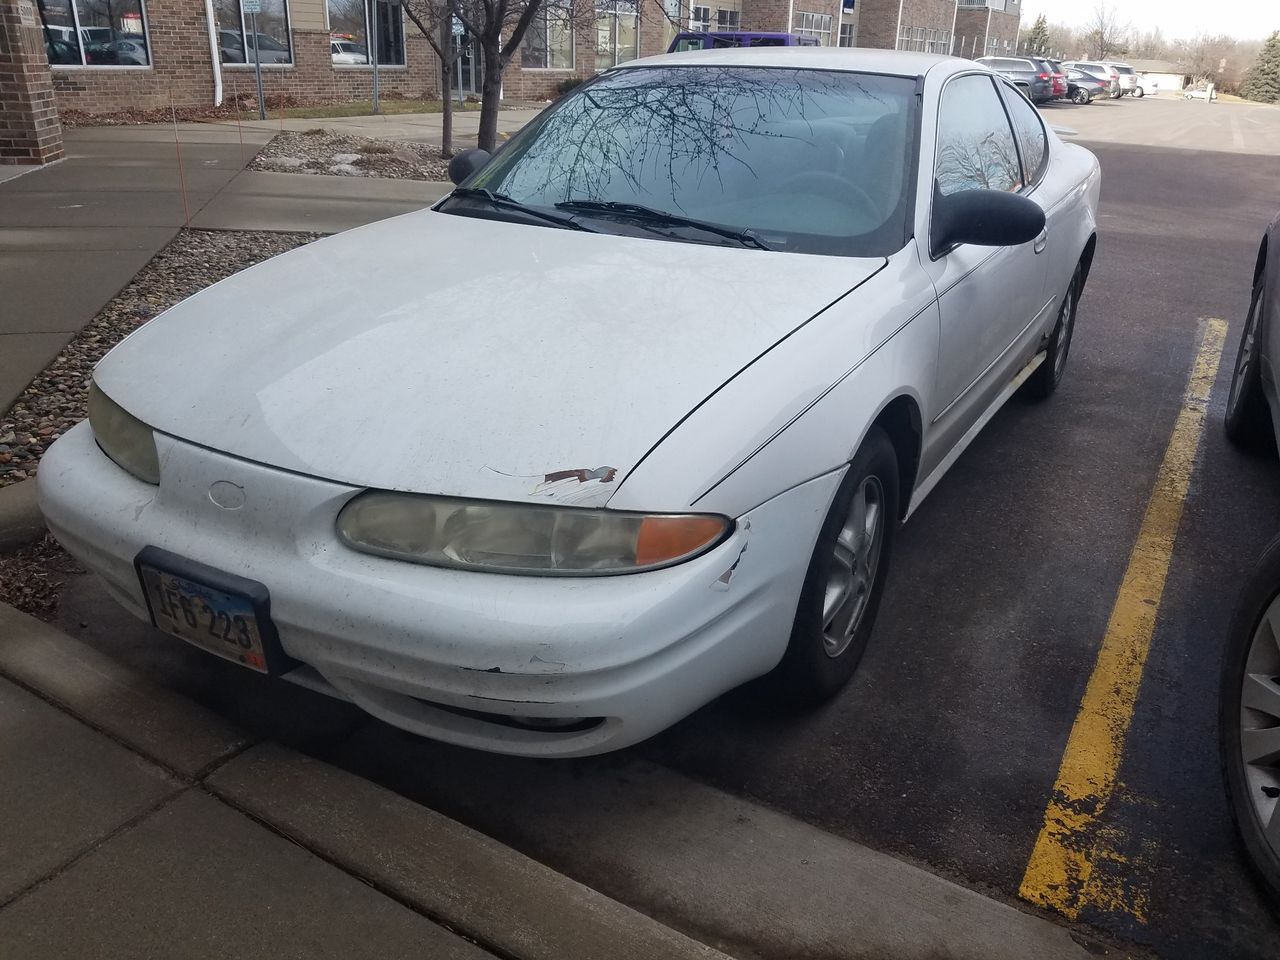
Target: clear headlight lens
514, 538
123, 437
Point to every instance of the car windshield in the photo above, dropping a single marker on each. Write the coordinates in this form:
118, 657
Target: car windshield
807, 161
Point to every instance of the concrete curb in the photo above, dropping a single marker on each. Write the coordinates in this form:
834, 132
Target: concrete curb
158, 723
21, 522
487, 891
449, 873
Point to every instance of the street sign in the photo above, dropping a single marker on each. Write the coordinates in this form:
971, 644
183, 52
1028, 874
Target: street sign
251, 6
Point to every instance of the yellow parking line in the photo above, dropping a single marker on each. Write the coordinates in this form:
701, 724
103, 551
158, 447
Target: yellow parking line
1060, 874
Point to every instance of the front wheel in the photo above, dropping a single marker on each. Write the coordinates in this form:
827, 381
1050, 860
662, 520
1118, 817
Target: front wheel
1249, 714
1248, 420
1080, 96
1139, 93
846, 576
1041, 384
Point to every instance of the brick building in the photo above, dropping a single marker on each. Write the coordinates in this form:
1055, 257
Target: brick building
987, 28
108, 55
29, 128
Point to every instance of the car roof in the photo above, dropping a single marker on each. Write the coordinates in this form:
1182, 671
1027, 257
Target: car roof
860, 59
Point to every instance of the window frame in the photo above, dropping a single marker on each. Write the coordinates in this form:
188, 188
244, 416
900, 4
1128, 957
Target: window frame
933, 174
614, 9
546, 35
344, 67
288, 23
699, 24
1029, 183
809, 27
84, 64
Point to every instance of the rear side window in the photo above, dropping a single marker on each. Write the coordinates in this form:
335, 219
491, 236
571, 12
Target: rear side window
975, 143
1033, 142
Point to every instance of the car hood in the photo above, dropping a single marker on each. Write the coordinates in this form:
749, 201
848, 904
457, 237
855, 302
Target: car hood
444, 354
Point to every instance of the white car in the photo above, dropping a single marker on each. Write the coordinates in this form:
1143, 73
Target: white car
346, 52
630, 418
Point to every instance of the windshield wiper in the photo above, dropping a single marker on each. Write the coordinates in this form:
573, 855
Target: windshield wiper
502, 201
661, 218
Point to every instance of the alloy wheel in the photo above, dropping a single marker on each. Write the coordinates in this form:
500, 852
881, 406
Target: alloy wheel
855, 559
1260, 723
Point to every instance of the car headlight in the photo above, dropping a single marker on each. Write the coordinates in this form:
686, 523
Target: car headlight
123, 437
504, 537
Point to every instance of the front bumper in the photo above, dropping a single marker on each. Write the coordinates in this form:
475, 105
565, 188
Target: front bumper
451, 654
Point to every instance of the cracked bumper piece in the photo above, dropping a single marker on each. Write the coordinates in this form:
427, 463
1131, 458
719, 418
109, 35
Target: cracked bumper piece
515, 664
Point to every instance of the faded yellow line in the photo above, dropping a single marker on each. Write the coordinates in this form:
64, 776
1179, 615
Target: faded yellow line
1060, 874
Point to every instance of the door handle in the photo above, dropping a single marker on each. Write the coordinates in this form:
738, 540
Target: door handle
1041, 241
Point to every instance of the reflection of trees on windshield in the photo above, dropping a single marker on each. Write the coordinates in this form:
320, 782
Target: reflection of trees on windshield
971, 161
668, 136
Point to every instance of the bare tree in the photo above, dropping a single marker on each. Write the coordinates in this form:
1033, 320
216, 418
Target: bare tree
1209, 57
1104, 33
499, 28
434, 18
1149, 45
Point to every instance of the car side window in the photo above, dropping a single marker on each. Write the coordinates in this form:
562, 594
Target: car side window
1033, 142
975, 142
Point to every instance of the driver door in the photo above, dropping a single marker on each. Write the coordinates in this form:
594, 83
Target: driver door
988, 297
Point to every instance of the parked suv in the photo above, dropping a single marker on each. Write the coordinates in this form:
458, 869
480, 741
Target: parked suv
1099, 69
1034, 78
1128, 78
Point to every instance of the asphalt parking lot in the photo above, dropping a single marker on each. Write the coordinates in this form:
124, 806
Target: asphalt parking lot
945, 748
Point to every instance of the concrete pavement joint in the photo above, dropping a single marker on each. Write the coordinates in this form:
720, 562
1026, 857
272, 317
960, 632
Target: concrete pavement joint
122, 828
369, 881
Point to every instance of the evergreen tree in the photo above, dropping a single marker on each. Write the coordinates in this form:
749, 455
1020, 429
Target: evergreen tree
1263, 82
1038, 39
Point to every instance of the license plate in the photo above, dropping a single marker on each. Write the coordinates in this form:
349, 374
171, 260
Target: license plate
218, 612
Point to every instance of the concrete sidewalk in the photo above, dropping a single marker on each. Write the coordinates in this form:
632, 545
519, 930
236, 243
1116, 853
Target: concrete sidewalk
72, 235
413, 127
135, 823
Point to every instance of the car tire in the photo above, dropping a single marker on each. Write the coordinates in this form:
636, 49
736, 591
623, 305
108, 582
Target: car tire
839, 601
1252, 652
1115, 95
1139, 92
1080, 96
1041, 384
1248, 419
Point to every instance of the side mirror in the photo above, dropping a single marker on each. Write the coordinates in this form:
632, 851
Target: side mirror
466, 163
988, 218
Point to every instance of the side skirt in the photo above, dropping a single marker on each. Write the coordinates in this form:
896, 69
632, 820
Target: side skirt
931, 481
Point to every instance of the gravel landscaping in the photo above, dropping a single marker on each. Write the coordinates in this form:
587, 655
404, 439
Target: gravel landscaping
55, 401
31, 578
319, 151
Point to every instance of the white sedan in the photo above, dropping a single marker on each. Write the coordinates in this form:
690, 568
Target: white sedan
630, 418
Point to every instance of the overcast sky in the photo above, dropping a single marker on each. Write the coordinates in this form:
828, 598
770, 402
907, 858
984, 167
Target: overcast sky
1245, 19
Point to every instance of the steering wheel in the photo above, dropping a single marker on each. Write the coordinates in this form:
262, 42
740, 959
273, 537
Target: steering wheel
836, 187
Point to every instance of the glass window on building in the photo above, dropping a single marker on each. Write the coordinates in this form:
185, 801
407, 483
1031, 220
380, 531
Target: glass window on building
729, 16
919, 43
617, 32
548, 44
237, 41
671, 19
816, 25
700, 19
95, 33
847, 34
349, 23
904, 38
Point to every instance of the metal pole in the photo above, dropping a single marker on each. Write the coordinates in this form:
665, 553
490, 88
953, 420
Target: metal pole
373, 53
257, 66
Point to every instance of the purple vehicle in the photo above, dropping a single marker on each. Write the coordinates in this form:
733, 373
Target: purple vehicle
737, 38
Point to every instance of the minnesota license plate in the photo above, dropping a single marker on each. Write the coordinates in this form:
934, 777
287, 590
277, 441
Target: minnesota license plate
223, 621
